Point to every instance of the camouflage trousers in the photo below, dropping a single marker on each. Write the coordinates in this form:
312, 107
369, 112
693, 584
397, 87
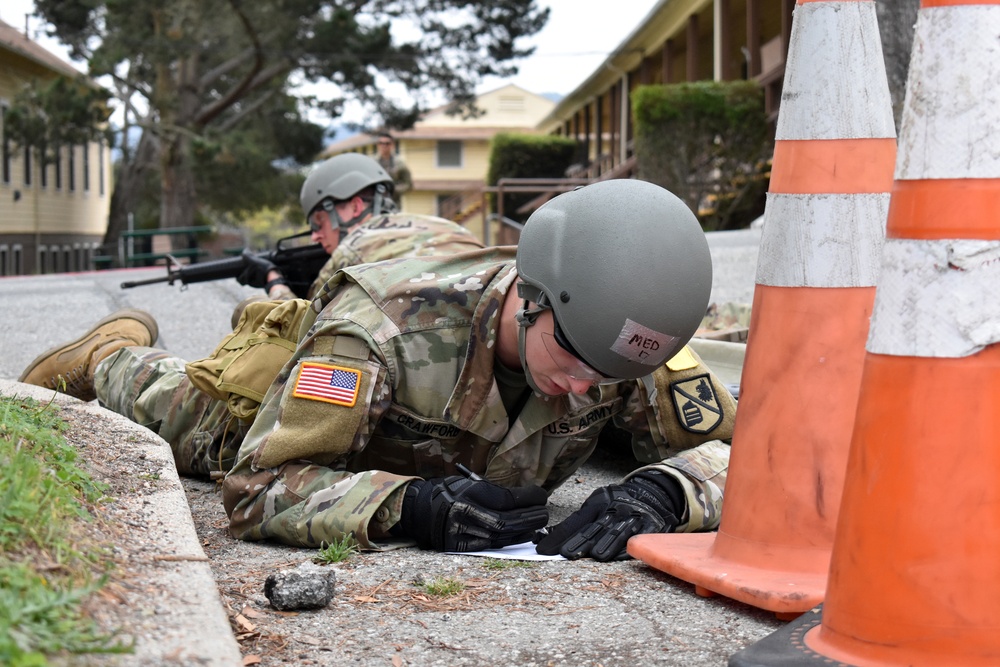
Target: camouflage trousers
151, 388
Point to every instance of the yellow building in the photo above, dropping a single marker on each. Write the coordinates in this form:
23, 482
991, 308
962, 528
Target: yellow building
53, 218
679, 40
448, 156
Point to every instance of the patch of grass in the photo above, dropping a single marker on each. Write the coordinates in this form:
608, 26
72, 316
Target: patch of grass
337, 551
505, 564
47, 569
443, 587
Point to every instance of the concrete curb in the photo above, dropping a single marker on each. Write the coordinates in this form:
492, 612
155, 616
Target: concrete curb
181, 619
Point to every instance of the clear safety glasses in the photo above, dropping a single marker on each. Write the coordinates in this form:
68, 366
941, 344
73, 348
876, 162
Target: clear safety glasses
567, 361
315, 221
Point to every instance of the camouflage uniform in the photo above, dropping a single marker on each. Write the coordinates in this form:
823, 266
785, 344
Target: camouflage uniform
399, 172
396, 235
416, 341
151, 388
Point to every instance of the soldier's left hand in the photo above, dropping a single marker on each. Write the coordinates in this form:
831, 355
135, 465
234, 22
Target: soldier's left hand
255, 270
650, 502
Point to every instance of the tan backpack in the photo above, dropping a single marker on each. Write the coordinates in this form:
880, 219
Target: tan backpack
247, 361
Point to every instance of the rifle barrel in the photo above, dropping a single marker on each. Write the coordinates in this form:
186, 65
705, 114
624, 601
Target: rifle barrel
148, 281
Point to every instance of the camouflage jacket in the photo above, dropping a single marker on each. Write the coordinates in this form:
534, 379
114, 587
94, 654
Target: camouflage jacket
400, 173
390, 236
408, 347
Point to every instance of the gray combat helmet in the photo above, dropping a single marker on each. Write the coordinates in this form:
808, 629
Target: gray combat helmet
625, 268
340, 178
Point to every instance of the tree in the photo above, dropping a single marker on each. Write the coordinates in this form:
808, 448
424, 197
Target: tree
183, 69
707, 142
60, 112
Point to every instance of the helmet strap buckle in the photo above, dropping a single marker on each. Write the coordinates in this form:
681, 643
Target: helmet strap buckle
527, 316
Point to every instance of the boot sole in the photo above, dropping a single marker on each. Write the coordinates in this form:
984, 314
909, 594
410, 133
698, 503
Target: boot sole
125, 313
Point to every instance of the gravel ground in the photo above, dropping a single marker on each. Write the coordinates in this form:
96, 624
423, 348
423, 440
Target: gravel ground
533, 614
186, 594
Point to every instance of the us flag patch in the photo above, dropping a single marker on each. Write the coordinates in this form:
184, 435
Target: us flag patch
331, 384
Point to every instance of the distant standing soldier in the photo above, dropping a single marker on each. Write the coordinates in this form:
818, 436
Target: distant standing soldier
392, 163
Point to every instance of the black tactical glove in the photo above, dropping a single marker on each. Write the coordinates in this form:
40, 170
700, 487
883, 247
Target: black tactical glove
459, 514
255, 270
650, 502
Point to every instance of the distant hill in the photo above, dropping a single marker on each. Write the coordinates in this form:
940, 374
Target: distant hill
555, 97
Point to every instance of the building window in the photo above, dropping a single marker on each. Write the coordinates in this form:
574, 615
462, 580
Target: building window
71, 167
6, 145
86, 168
27, 165
43, 171
449, 153
58, 168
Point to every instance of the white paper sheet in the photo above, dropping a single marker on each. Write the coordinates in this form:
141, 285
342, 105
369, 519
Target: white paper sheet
523, 551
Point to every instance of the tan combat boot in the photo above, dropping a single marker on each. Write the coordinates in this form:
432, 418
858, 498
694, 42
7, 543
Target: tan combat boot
69, 368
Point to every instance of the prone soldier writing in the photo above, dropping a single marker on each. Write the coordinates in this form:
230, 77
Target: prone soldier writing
508, 362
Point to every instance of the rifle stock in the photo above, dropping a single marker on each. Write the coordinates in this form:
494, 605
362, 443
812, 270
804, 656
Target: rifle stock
299, 264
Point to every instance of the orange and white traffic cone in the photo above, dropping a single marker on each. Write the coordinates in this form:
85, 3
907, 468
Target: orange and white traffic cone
914, 574
824, 225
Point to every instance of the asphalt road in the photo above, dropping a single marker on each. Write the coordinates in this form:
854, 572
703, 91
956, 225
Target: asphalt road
42, 311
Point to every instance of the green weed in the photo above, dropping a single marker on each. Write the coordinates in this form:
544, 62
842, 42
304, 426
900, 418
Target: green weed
443, 587
336, 552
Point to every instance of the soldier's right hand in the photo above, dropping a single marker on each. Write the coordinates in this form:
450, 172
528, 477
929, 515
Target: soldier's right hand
459, 514
649, 502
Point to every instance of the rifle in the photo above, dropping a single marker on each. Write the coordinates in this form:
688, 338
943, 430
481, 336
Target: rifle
300, 264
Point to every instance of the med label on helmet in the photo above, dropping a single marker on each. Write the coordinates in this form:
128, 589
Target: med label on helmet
639, 343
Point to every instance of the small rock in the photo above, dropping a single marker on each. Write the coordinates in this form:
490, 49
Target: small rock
307, 586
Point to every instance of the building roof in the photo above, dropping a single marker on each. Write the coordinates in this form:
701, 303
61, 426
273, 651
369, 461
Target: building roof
665, 17
509, 108
14, 41
423, 133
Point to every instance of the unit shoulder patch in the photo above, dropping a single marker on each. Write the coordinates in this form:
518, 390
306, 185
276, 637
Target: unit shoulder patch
696, 404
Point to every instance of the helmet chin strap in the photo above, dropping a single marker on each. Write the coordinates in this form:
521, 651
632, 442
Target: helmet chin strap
381, 203
344, 226
525, 318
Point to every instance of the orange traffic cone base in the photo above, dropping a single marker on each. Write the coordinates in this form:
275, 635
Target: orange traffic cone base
695, 558
807, 642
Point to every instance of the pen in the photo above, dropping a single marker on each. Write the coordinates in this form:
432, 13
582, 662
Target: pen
468, 473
